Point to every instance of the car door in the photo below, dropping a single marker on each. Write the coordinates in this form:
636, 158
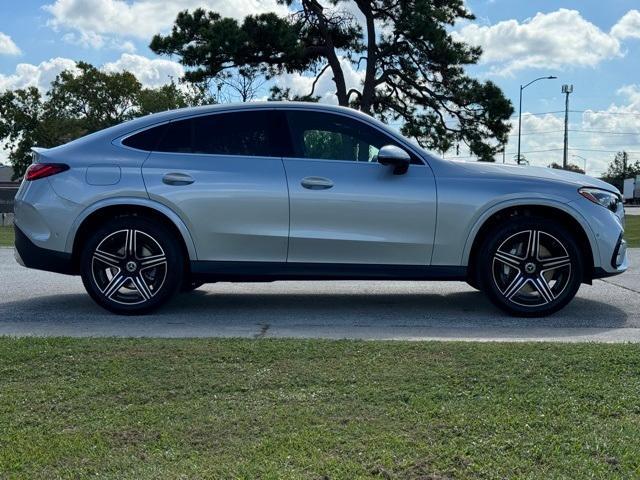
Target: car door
223, 175
347, 208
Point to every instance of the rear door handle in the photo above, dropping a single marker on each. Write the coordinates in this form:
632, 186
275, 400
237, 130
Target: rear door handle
316, 183
177, 179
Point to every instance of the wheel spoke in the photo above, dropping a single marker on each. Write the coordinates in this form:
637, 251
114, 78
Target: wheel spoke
130, 242
108, 258
533, 245
554, 263
508, 259
116, 282
154, 261
514, 287
142, 287
541, 285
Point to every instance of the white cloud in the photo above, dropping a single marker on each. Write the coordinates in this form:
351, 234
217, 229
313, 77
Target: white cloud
40, 76
4, 155
548, 40
141, 18
150, 72
7, 46
628, 26
97, 41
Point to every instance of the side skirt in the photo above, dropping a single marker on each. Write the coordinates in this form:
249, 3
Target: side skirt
269, 271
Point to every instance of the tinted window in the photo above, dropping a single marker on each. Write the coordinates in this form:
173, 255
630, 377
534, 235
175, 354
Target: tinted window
177, 137
145, 140
252, 133
328, 136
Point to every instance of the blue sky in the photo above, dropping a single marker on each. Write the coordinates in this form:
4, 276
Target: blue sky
591, 44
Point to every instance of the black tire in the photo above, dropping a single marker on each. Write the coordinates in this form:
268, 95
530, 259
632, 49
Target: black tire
525, 284
131, 265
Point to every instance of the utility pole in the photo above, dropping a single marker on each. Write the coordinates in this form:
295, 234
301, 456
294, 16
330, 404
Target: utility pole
567, 90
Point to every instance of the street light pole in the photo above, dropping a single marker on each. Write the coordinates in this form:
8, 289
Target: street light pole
522, 87
584, 160
567, 90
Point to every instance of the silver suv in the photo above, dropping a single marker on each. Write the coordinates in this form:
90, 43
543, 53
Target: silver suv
295, 191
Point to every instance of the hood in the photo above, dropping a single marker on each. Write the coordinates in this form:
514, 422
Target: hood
553, 174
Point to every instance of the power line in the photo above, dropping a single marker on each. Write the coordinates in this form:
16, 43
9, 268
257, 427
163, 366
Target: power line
554, 150
601, 132
600, 112
605, 112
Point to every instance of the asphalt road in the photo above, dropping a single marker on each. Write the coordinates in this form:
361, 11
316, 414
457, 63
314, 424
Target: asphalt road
45, 304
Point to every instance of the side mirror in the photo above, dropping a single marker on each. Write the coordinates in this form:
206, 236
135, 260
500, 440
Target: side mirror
395, 157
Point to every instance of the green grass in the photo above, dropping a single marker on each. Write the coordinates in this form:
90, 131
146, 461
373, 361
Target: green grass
271, 409
632, 230
6, 236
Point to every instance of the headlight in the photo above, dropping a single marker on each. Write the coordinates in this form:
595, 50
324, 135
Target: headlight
605, 198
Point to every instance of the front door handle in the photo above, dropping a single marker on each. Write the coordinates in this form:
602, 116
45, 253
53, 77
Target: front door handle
177, 179
316, 183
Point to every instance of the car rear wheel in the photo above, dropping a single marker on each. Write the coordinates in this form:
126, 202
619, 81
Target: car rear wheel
131, 265
530, 267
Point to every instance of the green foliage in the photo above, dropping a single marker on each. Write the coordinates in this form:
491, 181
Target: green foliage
79, 103
415, 70
570, 167
621, 167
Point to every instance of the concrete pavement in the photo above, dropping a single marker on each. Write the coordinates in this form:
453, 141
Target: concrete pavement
45, 304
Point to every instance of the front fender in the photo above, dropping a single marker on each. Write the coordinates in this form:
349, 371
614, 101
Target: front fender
140, 202
489, 210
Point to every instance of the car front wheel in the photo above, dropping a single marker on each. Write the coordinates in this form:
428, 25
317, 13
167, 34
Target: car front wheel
131, 265
530, 267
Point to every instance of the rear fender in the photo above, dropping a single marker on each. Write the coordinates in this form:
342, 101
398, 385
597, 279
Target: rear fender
134, 201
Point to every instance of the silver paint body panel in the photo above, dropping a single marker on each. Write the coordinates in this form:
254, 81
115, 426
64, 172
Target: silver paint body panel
369, 215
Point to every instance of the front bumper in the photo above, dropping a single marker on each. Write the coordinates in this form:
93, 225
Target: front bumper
31, 256
605, 232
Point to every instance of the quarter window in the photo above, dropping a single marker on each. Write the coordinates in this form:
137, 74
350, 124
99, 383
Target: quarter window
145, 140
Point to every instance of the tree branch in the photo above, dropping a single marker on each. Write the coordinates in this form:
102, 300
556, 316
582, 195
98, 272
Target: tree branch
313, 85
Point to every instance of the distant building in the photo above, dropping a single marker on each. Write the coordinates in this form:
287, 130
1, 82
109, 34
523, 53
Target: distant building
8, 189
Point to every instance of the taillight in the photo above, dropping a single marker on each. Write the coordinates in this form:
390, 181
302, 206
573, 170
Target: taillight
41, 170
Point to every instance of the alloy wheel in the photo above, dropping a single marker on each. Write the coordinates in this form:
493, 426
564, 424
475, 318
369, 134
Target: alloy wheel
531, 268
129, 267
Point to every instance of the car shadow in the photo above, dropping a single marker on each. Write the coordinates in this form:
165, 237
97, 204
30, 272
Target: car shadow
216, 309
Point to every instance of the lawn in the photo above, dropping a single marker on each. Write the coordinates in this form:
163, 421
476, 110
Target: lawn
6, 236
133, 408
632, 230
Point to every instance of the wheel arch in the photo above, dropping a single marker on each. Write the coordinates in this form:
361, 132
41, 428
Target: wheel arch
575, 223
128, 206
